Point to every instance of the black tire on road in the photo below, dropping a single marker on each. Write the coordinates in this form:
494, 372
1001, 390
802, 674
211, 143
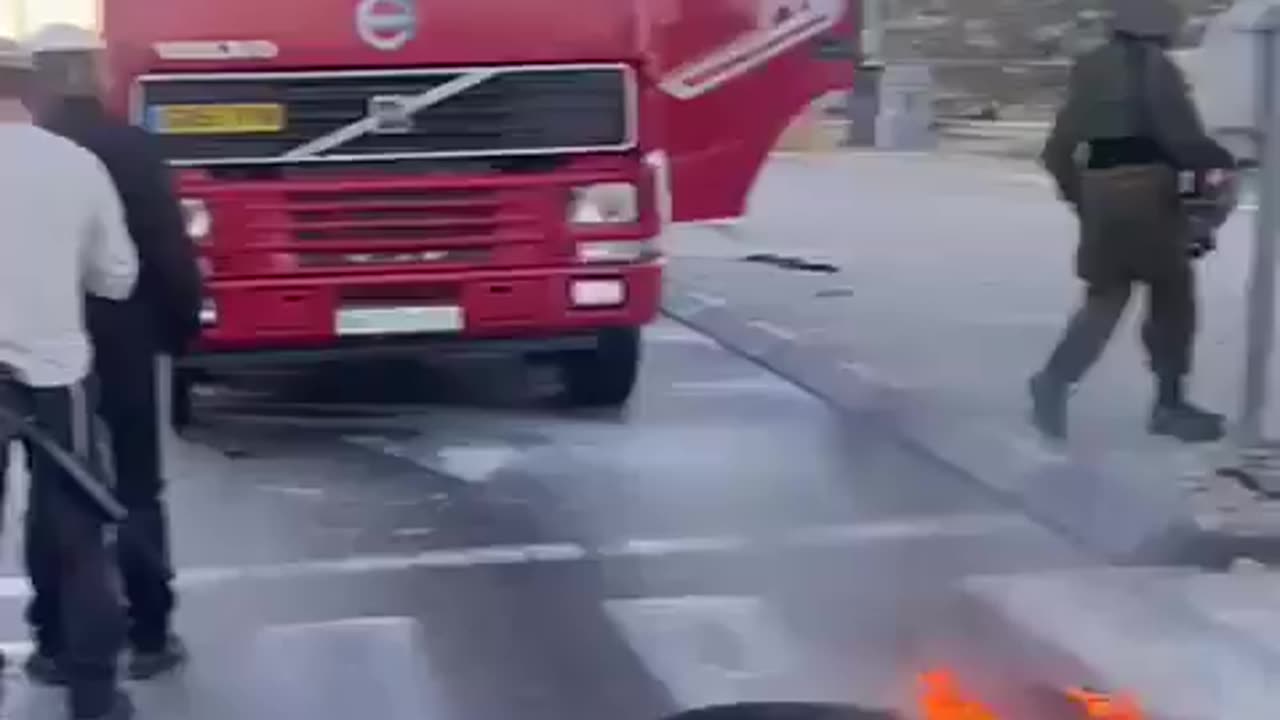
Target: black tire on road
606, 375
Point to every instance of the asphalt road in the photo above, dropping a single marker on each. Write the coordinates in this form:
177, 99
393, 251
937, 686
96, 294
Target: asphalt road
402, 544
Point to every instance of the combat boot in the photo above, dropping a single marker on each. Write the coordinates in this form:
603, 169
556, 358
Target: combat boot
1186, 422
1049, 406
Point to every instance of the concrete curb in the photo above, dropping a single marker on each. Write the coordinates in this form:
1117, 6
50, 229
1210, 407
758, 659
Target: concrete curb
1123, 518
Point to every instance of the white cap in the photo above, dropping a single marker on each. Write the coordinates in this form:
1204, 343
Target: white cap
13, 56
63, 37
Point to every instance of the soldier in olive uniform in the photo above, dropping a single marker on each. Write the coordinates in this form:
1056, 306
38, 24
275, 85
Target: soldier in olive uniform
1126, 131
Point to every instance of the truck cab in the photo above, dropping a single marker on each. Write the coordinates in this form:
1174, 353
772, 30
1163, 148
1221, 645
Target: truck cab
413, 176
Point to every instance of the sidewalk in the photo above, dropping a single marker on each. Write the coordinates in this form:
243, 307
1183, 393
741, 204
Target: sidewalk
954, 279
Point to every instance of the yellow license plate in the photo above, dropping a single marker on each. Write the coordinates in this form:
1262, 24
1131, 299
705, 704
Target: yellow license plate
217, 119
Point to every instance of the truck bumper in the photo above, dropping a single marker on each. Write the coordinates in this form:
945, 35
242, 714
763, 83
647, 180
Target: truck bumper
469, 312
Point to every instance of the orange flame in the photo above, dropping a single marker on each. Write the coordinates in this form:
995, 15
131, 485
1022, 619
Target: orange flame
941, 698
1100, 706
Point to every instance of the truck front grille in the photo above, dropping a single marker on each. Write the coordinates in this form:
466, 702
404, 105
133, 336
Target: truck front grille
518, 111
379, 227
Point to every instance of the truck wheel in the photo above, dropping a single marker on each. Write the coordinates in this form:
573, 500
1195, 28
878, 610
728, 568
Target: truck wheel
605, 375
180, 396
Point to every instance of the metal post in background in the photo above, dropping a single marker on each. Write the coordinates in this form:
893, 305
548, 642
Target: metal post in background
873, 17
1260, 322
864, 100
1261, 310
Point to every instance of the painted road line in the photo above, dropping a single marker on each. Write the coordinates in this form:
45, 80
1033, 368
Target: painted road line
707, 300
672, 334
469, 462
956, 526
667, 547
756, 384
953, 527
776, 331
713, 650
710, 650
374, 667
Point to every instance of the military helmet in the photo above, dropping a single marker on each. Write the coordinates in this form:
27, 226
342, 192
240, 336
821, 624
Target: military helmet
1155, 19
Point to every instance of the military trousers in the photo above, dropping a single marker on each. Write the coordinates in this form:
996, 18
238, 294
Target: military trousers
1168, 331
1132, 233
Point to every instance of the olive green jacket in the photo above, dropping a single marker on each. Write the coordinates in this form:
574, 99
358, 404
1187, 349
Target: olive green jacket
1106, 101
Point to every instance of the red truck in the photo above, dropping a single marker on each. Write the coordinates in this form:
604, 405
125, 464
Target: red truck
414, 176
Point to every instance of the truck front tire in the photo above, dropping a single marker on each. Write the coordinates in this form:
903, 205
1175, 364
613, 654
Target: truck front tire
605, 375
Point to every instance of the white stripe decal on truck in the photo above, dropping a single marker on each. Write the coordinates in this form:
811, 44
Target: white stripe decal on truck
413, 104
752, 50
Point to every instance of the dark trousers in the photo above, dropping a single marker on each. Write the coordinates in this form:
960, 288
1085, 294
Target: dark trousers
67, 552
1167, 333
128, 405
1132, 232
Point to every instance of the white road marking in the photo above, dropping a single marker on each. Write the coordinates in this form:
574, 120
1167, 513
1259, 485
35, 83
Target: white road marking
769, 328
676, 335
666, 547
476, 463
296, 491
1031, 179
840, 535
872, 376
734, 386
413, 532
711, 650
952, 526
373, 667
708, 300
471, 463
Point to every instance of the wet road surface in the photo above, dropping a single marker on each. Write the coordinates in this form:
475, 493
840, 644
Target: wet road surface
726, 538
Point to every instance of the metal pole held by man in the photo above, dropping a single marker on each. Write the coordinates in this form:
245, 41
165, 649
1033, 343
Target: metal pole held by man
64, 237
130, 336
1150, 187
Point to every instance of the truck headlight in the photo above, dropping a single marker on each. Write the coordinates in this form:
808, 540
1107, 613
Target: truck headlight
616, 251
609, 203
198, 219
208, 313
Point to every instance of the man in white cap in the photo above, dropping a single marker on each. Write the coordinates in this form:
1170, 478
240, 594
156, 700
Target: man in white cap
161, 317
64, 236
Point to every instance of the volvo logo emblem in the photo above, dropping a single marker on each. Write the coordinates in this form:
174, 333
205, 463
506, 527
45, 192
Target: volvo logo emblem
387, 24
390, 115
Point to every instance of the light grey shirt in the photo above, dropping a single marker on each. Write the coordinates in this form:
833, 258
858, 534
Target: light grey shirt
62, 235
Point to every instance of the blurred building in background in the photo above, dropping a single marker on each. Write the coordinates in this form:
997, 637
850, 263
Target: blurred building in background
1004, 57
20, 16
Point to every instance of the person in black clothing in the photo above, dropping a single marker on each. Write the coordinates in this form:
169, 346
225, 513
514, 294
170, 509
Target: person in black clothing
129, 337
